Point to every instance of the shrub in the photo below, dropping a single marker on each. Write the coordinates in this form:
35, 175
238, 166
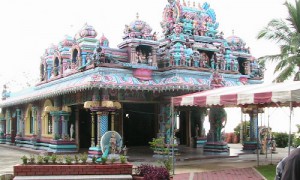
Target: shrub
103, 160
68, 159
32, 159
94, 159
123, 159
112, 160
60, 159
40, 159
150, 172
24, 159
46, 159
54, 158
76, 158
282, 139
83, 157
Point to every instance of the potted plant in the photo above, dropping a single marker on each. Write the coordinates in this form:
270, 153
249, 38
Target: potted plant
123, 159
54, 158
24, 159
68, 159
103, 160
83, 158
94, 159
46, 159
32, 159
40, 159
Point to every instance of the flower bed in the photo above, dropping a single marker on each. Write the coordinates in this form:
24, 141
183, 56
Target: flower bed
80, 169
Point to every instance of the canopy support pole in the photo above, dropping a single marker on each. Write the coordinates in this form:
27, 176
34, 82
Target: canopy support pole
289, 143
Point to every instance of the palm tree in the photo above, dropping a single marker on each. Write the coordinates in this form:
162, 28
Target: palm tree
287, 35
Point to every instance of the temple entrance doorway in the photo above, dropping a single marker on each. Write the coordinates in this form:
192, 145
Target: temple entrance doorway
181, 128
84, 128
138, 123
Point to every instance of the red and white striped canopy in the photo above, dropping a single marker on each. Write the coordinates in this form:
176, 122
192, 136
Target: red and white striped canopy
242, 95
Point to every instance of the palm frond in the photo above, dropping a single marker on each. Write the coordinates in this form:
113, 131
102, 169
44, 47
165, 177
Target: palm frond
285, 74
294, 15
276, 30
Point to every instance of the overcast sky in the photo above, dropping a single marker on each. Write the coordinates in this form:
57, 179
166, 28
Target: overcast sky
30, 26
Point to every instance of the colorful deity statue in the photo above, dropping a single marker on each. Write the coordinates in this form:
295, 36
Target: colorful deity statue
217, 119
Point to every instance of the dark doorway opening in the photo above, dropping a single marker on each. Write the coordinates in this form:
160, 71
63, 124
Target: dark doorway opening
182, 132
138, 124
84, 128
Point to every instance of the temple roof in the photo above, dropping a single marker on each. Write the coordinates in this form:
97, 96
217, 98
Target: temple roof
101, 77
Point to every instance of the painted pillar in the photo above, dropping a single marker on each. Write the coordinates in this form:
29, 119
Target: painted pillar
133, 54
49, 71
18, 111
154, 61
8, 122
99, 129
64, 120
104, 123
253, 125
93, 130
34, 110
2, 129
112, 121
55, 121
83, 55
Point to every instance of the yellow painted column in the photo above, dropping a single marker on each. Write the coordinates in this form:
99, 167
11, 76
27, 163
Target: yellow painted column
93, 132
112, 121
98, 129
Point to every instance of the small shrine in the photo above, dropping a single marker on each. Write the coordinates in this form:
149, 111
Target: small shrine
104, 99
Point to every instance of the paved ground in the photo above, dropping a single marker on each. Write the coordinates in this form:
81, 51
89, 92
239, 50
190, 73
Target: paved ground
190, 165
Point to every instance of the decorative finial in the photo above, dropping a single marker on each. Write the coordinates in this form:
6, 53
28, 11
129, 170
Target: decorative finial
189, 3
233, 32
194, 4
199, 6
137, 15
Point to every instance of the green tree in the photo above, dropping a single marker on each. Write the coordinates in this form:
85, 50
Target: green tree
286, 34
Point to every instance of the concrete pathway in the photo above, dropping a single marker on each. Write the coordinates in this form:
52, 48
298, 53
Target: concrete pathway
189, 165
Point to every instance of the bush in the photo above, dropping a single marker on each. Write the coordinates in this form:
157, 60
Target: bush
150, 172
282, 139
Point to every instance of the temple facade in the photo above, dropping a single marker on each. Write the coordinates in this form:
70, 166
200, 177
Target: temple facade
87, 88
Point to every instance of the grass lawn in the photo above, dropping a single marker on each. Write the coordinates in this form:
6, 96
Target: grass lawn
268, 171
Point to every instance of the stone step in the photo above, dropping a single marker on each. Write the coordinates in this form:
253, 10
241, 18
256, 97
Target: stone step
72, 177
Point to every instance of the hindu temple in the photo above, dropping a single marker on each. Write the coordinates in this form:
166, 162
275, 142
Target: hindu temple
87, 88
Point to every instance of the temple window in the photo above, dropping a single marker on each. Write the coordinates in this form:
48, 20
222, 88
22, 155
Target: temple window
74, 57
49, 124
56, 67
143, 54
42, 72
31, 126
242, 65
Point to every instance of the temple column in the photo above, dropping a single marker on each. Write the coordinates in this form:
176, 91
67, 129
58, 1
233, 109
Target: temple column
83, 57
64, 124
99, 129
154, 59
8, 123
34, 115
112, 121
253, 125
253, 111
55, 121
18, 111
133, 54
2, 128
104, 123
93, 130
